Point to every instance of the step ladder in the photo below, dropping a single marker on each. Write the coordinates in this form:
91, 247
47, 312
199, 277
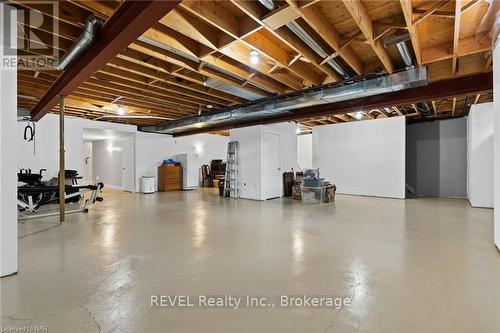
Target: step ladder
231, 182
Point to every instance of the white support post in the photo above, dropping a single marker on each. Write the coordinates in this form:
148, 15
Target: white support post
496, 119
8, 132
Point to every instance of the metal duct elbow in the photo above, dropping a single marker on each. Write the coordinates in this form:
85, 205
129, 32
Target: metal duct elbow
339, 68
405, 53
399, 39
306, 38
83, 42
269, 4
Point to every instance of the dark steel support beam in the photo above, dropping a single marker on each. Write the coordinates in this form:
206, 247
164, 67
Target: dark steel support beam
129, 22
455, 87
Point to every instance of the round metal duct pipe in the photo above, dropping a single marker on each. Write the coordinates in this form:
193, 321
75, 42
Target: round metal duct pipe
83, 42
405, 53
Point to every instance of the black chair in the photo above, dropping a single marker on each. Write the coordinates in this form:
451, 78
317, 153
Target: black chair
217, 169
207, 179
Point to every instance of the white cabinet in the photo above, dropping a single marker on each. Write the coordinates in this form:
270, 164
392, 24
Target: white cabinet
190, 170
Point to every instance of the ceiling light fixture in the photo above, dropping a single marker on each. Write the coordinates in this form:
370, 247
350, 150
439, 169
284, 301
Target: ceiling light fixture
120, 111
358, 115
254, 57
297, 130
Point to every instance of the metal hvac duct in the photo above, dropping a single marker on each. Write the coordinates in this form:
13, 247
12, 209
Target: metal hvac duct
283, 104
269, 4
387, 110
400, 39
405, 53
231, 89
83, 42
167, 48
23, 113
306, 38
130, 117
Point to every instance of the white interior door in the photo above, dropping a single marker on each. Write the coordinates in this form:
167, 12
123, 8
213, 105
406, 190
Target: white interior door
272, 167
128, 159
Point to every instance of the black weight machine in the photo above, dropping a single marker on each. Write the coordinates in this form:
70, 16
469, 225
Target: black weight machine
33, 194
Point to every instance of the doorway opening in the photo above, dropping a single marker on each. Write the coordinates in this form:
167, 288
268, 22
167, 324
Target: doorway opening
110, 158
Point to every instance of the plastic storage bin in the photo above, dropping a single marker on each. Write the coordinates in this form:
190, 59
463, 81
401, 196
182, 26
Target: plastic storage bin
313, 182
313, 195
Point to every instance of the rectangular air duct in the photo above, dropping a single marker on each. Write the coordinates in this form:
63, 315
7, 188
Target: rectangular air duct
271, 107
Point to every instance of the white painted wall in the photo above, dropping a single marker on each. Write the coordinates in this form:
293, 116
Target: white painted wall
46, 152
8, 154
253, 159
480, 155
251, 149
207, 146
436, 158
88, 161
151, 149
453, 158
305, 151
107, 165
496, 115
363, 158
43, 152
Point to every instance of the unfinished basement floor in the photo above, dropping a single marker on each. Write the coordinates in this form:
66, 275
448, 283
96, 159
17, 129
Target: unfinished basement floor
426, 265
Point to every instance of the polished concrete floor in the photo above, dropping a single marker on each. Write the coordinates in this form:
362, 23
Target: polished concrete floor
426, 265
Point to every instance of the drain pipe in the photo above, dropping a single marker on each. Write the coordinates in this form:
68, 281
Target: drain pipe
306, 38
83, 42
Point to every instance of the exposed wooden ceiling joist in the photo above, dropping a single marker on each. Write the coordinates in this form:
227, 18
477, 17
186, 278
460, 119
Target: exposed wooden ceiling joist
360, 15
406, 6
328, 32
456, 35
211, 41
126, 25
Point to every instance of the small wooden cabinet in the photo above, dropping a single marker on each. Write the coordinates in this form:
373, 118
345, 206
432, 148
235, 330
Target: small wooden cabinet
169, 178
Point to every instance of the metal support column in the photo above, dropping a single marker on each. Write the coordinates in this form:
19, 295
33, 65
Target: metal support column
62, 179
